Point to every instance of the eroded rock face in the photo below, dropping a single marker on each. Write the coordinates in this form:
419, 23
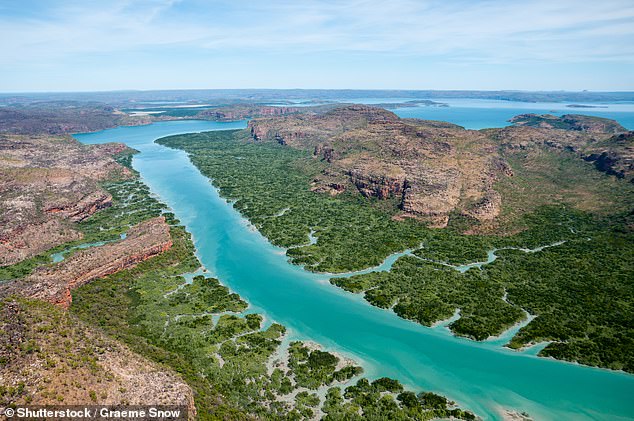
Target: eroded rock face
46, 184
54, 283
429, 167
380, 186
26, 240
614, 156
240, 112
434, 169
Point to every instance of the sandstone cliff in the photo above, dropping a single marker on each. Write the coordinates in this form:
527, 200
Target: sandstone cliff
431, 168
46, 184
435, 169
54, 283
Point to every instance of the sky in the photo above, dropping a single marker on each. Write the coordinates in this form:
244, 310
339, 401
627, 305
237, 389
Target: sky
85, 45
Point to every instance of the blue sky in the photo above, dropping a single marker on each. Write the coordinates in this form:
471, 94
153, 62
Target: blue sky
80, 45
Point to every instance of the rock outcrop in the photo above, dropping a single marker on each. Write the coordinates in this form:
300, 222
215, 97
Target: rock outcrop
46, 184
435, 169
429, 167
611, 153
241, 112
614, 156
54, 283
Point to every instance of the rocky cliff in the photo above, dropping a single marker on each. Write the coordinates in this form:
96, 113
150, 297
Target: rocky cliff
46, 184
54, 283
241, 112
614, 156
436, 169
432, 169
611, 153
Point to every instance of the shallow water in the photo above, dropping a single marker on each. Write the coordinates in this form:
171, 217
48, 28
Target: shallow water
59, 256
480, 376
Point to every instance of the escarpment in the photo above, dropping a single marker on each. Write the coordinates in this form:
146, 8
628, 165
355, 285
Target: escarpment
240, 112
54, 283
434, 170
429, 168
46, 185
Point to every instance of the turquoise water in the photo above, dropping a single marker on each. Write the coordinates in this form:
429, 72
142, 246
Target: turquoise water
59, 256
483, 113
480, 376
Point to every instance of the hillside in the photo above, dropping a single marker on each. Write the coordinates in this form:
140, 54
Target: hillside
436, 171
52, 358
561, 231
430, 169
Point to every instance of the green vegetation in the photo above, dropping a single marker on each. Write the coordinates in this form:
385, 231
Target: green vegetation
192, 324
50, 357
581, 290
384, 399
200, 329
316, 368
132, 204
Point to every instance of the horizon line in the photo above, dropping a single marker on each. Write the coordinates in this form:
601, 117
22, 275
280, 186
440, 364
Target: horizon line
316, 89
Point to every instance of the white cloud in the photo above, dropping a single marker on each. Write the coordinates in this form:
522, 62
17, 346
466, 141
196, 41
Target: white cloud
488, 31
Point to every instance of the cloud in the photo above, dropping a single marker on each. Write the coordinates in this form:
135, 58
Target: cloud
496, 31
115, 44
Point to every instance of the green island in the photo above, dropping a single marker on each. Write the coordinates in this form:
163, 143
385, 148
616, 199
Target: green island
166, 310
579, 286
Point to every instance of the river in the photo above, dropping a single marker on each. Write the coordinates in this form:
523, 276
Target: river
482, 377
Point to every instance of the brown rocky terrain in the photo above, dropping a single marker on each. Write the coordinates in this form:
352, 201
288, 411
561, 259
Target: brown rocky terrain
54, 283
611, 153
434, 169
48, 357
614, 156
51, 358
573, 122
240, 112
244, 111
46, 184
431, 168
55, 118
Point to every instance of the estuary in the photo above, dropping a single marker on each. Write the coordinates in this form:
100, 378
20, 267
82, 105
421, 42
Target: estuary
482, 377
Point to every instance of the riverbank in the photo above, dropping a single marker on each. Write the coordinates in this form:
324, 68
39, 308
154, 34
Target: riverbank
392, 347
